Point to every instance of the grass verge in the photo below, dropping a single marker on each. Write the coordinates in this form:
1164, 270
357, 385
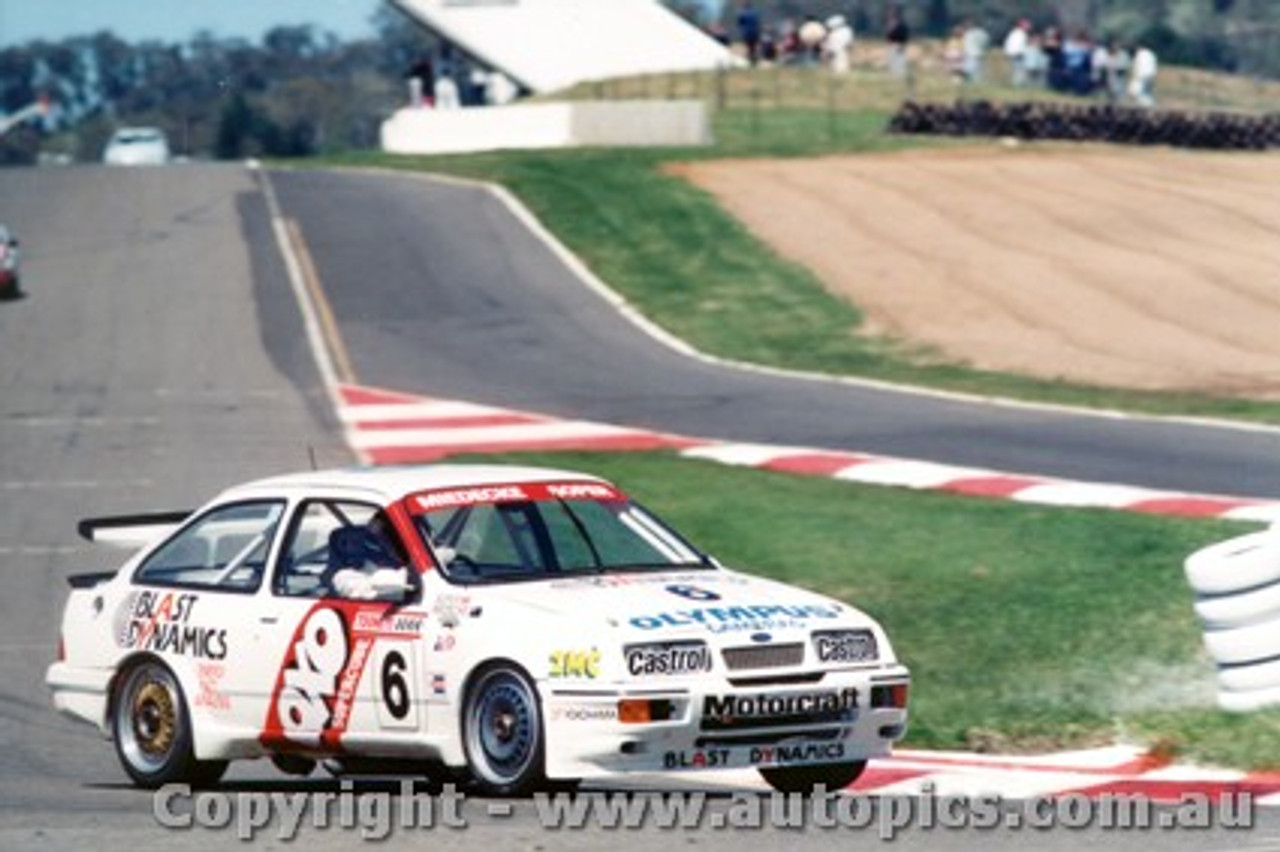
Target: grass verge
1026, 628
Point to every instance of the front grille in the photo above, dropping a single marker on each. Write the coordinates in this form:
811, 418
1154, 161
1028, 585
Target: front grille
764, 656
790, 679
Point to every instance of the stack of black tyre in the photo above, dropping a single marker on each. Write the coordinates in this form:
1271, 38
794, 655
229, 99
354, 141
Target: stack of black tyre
1096, 122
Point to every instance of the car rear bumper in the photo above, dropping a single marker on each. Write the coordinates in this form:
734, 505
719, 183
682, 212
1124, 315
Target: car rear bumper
80, 693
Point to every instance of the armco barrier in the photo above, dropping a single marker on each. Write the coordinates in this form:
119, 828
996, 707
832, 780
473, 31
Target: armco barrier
1237, 586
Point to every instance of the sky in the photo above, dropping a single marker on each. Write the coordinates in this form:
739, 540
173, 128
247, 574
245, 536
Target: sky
178, 20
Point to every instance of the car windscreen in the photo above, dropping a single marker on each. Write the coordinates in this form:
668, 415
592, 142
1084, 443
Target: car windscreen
133, 137
537, 530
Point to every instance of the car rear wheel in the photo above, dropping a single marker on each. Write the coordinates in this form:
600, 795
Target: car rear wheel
502, 732
803, 779
152, 730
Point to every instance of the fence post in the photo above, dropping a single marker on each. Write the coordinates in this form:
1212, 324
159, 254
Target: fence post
755, 111
831, 108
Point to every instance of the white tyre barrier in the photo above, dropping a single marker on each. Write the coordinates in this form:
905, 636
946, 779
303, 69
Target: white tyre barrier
1222, 612
1250, 644
1237, 586
1264, 675
1248, 702
1244, 562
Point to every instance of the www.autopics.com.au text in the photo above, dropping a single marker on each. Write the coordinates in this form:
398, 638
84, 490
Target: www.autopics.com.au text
376, 812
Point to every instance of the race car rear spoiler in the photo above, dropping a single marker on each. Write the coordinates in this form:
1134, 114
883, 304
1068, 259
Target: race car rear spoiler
130, 530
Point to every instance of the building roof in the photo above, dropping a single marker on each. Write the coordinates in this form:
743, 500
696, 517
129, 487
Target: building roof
547, 45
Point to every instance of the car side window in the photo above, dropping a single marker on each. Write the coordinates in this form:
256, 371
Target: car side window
328, 536
224, 549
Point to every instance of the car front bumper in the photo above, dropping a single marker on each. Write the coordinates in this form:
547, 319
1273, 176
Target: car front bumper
848, 716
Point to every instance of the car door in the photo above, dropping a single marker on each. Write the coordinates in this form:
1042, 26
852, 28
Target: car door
336, 672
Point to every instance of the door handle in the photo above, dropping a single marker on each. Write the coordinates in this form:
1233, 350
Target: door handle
269, 619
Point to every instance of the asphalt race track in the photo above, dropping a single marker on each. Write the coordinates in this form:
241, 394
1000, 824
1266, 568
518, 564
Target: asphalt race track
160, 355
439, 290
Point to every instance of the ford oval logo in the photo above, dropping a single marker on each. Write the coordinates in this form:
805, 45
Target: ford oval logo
760, 637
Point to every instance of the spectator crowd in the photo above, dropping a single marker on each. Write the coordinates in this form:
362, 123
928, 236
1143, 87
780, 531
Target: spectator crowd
1079, 64
1072, 63
805, 41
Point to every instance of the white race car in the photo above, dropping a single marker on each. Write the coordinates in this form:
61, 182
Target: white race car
523, 627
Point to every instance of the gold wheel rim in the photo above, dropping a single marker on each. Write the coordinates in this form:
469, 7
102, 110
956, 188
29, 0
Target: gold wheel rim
155, 720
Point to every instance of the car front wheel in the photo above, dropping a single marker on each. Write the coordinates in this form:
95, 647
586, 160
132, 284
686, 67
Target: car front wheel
502, 732
803, 779
152, 730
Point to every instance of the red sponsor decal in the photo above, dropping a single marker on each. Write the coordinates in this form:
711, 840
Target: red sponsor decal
209, 676
387, 624
319, 677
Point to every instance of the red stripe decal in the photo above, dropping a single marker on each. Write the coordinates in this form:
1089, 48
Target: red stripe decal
476, 421
991, 486
1191, 507
814, 464
883, 776
356, 395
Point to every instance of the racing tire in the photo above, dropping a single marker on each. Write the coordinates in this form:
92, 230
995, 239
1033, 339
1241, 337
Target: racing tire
1235, 565
1222, 612
152, 730
502, 732
1249, 701
803, 779
1250, 677
1241, 645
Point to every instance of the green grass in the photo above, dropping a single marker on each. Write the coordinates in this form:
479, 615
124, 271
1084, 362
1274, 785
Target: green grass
1026, 628
672, 251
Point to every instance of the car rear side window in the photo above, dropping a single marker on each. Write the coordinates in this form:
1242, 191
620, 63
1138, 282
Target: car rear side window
226, 548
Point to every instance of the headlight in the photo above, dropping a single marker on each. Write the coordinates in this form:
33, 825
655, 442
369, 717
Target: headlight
667, 658
845, 646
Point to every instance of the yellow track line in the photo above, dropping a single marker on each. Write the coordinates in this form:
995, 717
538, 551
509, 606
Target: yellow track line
324, 311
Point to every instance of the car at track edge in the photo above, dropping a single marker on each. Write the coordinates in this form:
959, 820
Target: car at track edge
518, 627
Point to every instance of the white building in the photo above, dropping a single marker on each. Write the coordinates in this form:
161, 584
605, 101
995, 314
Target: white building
546, 45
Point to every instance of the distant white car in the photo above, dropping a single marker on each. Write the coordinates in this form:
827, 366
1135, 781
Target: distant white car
137, 146
514, 625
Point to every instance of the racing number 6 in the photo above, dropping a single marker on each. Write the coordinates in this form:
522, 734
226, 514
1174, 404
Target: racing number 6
395, 687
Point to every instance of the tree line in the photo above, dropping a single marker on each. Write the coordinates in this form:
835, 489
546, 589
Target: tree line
297, 92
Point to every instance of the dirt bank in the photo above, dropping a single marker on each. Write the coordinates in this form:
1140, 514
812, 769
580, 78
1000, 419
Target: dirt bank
1143, 269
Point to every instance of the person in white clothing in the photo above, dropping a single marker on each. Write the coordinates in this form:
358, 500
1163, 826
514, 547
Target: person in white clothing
446, 93
1142, 76
837, 44
975, 42
1015, 50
